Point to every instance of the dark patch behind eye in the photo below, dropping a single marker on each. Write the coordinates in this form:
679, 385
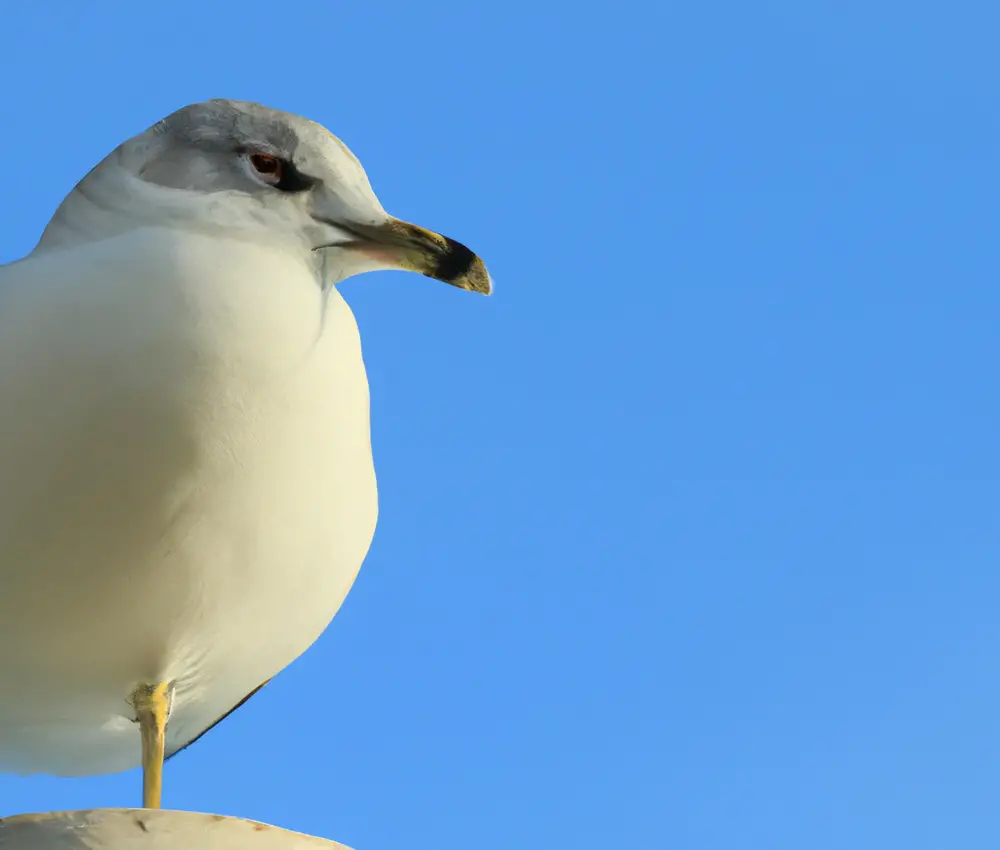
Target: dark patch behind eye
292, 180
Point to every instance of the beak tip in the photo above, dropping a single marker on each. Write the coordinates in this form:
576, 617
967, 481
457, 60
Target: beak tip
477, 279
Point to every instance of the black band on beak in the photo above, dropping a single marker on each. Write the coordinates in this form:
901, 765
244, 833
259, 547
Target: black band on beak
454, 262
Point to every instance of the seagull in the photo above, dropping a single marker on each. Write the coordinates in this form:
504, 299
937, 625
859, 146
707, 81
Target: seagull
187, 489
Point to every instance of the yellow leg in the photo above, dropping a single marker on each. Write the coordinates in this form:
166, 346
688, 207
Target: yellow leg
152, 704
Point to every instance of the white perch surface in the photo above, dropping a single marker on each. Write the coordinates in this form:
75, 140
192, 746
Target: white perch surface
149, 829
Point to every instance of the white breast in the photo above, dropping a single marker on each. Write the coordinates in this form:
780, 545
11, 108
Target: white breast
186, 485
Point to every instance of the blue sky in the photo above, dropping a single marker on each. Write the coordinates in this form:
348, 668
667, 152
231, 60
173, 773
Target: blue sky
689, 535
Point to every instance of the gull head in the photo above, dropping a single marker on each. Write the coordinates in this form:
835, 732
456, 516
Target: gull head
246, 171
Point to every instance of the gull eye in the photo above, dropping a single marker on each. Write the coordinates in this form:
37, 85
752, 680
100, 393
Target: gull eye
274, 171
268, 168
